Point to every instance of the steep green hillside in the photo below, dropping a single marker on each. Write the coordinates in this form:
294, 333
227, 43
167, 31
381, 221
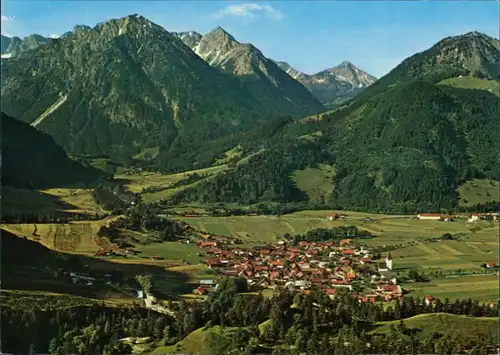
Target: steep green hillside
32, 159
128, 85
404, 147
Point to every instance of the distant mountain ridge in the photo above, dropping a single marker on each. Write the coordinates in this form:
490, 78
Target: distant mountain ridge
220, 49
14, 46
264, 78
335, 85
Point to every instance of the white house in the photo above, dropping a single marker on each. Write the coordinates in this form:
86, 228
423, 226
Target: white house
474, 218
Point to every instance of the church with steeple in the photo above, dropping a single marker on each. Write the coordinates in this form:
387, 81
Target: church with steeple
388, 261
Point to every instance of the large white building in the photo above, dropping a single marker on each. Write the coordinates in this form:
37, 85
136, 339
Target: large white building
429, 216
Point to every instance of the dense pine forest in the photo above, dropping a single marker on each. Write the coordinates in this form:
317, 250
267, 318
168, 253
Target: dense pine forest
311, 323
405, 150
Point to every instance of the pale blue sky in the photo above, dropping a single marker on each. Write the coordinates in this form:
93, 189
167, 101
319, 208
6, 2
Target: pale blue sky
310, 35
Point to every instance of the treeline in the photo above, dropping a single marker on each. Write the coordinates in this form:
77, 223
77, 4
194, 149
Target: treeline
113, 197
141, 219
54, 217
315, 325
331, 234
79, 330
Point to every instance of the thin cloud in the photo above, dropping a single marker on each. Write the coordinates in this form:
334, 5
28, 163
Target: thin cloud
248, 11
4, 26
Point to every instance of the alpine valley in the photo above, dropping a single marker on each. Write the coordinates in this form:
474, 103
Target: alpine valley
177, 192
130, 91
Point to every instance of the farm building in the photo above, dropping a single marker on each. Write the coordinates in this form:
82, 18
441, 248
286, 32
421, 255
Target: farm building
332, 216
429, 216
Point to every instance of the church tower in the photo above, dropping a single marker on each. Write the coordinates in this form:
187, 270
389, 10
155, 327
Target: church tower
388, 261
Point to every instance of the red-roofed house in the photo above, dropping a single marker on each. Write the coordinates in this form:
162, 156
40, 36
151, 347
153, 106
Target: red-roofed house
274, 275
345, 242
201, 290
332, 216
213, 262
348, 251
429, 299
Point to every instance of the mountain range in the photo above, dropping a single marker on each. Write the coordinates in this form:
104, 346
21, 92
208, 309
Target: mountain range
335, 85
131, 91
404, 144
128, 85
330, 86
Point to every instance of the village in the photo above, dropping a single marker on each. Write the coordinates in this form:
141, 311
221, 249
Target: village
324, 266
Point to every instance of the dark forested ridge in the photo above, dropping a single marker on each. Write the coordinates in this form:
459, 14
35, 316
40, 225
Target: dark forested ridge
31, 159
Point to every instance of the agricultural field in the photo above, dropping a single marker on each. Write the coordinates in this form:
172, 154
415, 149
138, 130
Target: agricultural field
479, 191
389, 229
75, 237
484, 288
16, 200
81, 199
173, 251
443, 323
24, 299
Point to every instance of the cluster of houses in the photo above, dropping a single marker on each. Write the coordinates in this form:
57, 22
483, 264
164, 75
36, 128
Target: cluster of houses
475, 217
325, 266
484, 216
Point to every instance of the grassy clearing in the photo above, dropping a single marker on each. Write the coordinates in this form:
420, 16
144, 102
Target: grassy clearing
234, 153
479, 191
470, 82
136, 182
315, 182
148, 154
173, 251
444, 323
194, 342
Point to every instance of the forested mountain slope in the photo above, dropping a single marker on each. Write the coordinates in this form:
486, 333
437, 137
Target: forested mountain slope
128, 85
31, 159
399, 147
